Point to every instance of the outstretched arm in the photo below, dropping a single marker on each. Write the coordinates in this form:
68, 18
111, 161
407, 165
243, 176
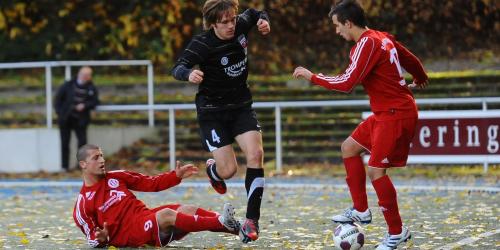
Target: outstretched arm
362, 61
144, 183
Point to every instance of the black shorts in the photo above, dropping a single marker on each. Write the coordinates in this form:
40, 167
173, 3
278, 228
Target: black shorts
219, 128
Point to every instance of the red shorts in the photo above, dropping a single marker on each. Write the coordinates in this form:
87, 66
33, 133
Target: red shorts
387, 141
144, 229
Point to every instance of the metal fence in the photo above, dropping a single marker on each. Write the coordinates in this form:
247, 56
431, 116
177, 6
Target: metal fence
67, 75
150, 107
278, 106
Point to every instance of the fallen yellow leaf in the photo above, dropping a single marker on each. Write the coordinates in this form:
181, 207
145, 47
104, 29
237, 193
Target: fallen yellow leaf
25, 241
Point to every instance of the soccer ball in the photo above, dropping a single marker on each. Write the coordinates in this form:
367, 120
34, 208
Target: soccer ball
348, 237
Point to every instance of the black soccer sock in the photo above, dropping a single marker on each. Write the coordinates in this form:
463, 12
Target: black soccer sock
254, 184
212, 173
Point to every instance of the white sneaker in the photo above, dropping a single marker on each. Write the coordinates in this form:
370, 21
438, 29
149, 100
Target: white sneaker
351, 215
227, 219
392, 241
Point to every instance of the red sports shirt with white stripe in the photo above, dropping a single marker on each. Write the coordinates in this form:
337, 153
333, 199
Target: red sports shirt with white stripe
376, 62
111, 201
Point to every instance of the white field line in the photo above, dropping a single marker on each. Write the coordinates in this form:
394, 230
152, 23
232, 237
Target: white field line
16, 184
469, 240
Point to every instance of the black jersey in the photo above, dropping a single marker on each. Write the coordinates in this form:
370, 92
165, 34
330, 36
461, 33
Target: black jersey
224, 64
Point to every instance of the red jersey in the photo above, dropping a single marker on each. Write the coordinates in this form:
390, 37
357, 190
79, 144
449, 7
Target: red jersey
111, 201
375, 62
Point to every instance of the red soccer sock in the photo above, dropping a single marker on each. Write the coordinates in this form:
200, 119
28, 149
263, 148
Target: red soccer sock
207, 213
388, 202
196, 223
356, 181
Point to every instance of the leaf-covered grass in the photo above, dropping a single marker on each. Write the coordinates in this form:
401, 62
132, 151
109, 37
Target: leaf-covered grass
291, 218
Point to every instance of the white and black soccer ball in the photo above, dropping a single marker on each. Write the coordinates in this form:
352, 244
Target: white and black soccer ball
348, 237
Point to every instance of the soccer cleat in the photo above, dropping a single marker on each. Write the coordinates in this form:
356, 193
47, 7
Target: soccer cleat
392, 241
351, 215
249, 231
218, 185
227, 219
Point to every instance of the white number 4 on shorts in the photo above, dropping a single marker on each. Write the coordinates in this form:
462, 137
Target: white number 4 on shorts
215, 137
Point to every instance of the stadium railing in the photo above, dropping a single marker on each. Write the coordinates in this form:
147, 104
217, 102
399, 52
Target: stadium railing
67, 75
150, 107
278, 106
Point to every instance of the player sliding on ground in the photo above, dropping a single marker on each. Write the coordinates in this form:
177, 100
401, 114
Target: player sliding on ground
109, 214
376, 63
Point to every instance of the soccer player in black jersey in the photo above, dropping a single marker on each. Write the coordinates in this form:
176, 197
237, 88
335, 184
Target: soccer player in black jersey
224, 101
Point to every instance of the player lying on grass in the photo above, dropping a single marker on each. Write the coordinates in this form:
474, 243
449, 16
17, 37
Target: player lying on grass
108, 213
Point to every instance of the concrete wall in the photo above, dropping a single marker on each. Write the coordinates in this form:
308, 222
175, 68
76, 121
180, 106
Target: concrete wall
38, 149
29, 150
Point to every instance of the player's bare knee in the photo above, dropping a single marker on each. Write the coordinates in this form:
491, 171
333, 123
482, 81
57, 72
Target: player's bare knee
187, 209
349, 148
346, 147
254, 158
375, 173
166, 217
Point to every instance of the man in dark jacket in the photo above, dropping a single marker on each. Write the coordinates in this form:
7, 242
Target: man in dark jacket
74, 100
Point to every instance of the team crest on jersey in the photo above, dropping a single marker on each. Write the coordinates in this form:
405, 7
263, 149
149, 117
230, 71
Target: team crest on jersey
113, 183
224, 61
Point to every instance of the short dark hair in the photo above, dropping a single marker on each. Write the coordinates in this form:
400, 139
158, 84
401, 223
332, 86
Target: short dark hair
82, 153
349, 10
213, 11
